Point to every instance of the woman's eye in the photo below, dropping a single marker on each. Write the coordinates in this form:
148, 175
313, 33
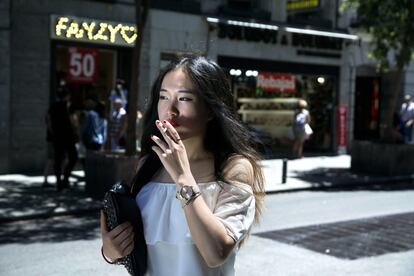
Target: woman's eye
185, 99
162, 97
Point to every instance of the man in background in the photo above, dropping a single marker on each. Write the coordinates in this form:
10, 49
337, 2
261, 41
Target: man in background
64, 129
407, 118
118, 125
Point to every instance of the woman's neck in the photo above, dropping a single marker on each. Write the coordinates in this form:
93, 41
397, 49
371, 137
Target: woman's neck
201, 162
195, 149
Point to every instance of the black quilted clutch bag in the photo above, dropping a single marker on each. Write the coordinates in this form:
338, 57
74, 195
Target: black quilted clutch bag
119, 206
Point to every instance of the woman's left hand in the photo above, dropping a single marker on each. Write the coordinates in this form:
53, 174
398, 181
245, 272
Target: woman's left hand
172, 153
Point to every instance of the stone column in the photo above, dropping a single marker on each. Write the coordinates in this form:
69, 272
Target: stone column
4, 85
278, 10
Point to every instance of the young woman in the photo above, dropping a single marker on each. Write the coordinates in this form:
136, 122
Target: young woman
302, 117
200, 185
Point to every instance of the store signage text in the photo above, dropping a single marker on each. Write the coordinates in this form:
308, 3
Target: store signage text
86, 30
249, 34
276, 83
342, 118
275, 37
319, 42
83, 65
293, 5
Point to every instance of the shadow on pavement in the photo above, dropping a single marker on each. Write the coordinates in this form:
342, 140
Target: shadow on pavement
56, 229
342, 179
17, 200
352, 239
70, 214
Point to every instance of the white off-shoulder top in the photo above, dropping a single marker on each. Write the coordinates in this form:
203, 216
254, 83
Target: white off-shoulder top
171, 250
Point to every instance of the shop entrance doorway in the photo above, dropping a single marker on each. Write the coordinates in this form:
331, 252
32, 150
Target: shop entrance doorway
266, 96
367, 101
86, 71
90, 72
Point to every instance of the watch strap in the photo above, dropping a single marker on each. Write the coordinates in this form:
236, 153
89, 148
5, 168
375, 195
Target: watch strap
191, 199
195, 193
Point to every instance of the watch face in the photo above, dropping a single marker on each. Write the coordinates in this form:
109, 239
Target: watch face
186, 192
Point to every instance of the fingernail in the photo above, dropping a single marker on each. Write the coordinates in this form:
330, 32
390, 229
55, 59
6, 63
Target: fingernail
165, 122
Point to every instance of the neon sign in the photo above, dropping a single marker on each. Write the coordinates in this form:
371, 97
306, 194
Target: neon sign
89, 30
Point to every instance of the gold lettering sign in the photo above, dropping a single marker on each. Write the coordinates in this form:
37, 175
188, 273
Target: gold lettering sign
302, 4
87, 30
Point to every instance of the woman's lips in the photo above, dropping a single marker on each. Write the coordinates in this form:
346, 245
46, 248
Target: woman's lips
173, 123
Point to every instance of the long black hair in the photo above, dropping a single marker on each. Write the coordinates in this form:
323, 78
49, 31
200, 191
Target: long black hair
225, 133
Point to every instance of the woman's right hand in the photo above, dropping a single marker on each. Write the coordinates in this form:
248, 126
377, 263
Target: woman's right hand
119, 242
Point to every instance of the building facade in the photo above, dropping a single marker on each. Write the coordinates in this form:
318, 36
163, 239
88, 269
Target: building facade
275, 52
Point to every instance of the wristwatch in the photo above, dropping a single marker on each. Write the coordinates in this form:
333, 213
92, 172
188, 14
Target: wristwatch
187, 194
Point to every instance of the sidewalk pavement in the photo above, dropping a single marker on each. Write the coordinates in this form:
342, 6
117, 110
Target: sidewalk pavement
320, 173
22, 197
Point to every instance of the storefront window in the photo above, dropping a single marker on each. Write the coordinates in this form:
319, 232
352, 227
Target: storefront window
91, 73
267, 101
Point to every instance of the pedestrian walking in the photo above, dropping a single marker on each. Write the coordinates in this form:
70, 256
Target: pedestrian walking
407, 119
93, 129
119, 92
64, 129
200, 185
50, 153
301, 128
118, 125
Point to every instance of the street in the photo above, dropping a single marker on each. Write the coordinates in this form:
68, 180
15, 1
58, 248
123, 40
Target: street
287, 211
71, 246
316, 95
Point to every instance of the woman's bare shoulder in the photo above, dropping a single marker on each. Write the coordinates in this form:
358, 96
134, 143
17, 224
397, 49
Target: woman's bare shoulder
238, 168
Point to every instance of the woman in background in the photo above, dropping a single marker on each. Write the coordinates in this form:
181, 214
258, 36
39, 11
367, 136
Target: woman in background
301, 119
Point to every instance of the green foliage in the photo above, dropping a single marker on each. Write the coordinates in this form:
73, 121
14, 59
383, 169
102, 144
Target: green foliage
391, 25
